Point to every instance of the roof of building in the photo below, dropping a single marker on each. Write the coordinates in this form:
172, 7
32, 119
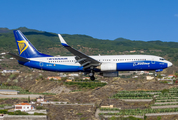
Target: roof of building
172, 75
24, 104
54, 77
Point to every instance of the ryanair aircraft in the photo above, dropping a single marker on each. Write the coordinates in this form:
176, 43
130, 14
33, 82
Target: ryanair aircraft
106, 65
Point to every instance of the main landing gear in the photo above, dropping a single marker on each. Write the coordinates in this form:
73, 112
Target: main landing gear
91, 74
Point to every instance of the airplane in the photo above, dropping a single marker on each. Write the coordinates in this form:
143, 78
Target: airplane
106, 65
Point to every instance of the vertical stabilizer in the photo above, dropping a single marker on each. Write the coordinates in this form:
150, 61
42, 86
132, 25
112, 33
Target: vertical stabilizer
25, 48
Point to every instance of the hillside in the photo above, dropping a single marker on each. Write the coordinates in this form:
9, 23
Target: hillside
49, 43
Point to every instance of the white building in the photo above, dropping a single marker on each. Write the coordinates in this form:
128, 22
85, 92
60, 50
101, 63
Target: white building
24, 107
40, 99
132, 51
135, 77
163, 75
73, 75
62, 75
3, 53
10, 71
72, 78
149, 77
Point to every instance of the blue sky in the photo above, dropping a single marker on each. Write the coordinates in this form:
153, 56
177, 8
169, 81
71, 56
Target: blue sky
102, 19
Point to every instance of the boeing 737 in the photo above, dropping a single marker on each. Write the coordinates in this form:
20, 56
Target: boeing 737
106, 65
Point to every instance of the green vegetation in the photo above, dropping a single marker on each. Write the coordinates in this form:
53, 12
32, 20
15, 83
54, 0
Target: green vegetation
52, 46
75, 90
84, 118
28, 99
2, 105
141, 111
165, 82
132, 96
156, 92
90, 85
2, 99
39, 113
79, 80
124, 118
166, 95
39, 107
110, 109
79, 114
167, 100
135, 95
18, 112
3, 111
12, 76
159, 118
165, 104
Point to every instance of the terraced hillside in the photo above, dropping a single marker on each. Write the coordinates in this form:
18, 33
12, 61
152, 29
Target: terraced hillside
162, 103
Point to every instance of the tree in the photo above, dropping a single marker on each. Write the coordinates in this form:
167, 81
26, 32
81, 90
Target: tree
28, 99
165, 91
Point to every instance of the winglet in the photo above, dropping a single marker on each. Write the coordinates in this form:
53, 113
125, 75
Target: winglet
63, 42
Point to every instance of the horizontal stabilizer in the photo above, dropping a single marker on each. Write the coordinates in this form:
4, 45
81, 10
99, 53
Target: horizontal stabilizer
19, 57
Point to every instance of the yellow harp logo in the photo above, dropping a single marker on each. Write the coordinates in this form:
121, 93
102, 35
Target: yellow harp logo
23, 45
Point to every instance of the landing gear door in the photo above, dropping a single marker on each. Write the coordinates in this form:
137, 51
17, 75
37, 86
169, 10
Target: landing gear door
153, 61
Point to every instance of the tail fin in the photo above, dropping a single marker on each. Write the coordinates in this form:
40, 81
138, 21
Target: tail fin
25, 48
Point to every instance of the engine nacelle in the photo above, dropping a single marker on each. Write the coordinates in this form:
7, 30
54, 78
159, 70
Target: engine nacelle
110, 74
107, 67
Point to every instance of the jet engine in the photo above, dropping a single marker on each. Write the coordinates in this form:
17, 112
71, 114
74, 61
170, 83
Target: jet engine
107, 67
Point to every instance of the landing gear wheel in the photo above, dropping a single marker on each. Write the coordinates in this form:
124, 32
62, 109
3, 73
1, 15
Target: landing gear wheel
91, 74
92, 78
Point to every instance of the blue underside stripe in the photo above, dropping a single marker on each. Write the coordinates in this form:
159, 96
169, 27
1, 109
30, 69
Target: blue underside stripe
125, 66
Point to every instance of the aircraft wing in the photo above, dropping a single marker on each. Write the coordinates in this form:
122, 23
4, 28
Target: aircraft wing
84, 60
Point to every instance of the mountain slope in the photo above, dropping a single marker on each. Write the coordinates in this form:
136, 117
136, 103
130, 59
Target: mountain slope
49, 43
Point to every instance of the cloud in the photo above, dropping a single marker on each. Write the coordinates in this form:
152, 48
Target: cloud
176, 15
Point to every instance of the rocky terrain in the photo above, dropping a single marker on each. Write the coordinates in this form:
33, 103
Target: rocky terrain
35, 81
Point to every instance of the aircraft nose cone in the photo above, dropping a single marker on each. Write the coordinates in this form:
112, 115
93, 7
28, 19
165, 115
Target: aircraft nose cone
169, 64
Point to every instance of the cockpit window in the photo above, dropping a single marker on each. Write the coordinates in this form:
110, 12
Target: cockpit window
161, 58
